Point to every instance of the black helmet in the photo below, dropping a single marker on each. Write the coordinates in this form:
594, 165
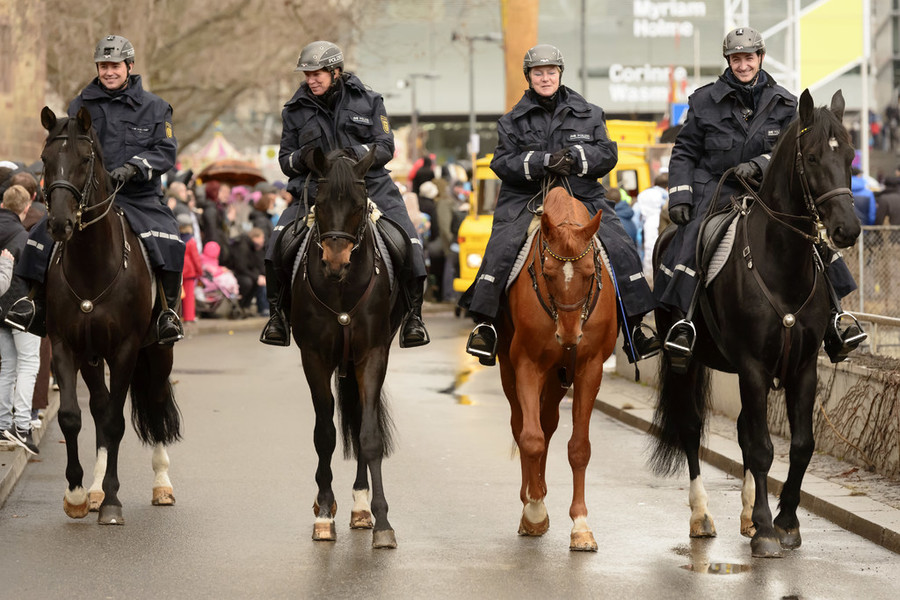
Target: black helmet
542, 55
320, 55
743, 39
114, 48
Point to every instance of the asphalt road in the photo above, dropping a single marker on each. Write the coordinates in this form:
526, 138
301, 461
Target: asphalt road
244, 483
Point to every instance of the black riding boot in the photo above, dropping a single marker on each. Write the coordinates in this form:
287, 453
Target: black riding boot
29, 311
412, 331
168, 325
679, 345
483, 341
277, 331
641, 345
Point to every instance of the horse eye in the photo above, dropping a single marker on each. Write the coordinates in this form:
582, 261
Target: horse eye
812, 158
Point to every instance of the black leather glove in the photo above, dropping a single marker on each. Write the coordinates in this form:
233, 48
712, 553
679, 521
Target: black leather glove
680, 214
124, 174
306, 157
560, 162
747, 170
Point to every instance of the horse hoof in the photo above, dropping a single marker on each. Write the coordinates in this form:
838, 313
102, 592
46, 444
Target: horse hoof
163, 496
111, 515
316, 509
761, 547
324, 531
582, 541
361, 519
384, 538
790, 537
748, 529
76, 511
96, 499
704, 528
528, 528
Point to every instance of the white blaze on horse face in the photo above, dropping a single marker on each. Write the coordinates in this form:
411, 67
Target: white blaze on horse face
568, 272
833, 143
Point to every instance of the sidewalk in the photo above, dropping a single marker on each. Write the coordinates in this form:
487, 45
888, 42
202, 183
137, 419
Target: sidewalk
630, 403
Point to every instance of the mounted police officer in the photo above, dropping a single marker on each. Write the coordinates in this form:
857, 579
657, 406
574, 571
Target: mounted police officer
333, 110
553, 133
733, 122
135, 132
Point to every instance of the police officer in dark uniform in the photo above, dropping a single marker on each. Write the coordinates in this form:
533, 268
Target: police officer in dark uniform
733, 122
135, 132
333, 110
553, 132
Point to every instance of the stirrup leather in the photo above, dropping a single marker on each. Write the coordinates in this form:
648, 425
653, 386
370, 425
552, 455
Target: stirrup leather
29, 302
477, 351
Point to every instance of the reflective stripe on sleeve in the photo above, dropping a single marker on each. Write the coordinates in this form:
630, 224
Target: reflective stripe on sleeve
584, 164
527, 170
681, 188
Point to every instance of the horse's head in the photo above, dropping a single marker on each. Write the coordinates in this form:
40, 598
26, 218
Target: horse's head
73, 170
341, 207
819, 148
568, 263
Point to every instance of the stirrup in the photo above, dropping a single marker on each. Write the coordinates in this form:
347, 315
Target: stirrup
836, 346
276, 313
179, 334
31, 309
680, 355
492, 353
653, 350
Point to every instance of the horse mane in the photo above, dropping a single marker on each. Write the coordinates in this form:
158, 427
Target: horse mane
825, 125
341, 175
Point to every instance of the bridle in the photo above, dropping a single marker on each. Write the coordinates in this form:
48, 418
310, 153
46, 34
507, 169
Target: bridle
551, 306
82, 195
356, 238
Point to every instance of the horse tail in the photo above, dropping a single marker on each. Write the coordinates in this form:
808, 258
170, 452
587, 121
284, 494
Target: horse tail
154, 413
680, 414
350, 416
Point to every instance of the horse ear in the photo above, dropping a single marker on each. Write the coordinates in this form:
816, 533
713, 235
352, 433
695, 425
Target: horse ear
837, 105
594, 224
83, 118
365, 163
319, 162
807, 106
48, 118
546, 224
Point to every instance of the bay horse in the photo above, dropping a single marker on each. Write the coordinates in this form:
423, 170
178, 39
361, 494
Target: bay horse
763, 318
344, 314
99, 309
557, 329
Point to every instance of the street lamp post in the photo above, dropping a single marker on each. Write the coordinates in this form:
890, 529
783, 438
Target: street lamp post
474, 140
410, 82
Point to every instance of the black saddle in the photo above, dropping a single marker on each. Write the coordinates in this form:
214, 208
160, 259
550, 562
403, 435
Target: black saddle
712, 230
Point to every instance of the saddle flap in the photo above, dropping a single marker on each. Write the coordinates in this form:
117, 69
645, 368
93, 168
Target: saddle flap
714, 242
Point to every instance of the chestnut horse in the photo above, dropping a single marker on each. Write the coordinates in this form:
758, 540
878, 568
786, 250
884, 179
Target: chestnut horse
558, 329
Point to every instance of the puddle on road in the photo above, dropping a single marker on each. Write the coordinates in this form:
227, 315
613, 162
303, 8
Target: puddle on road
717, 568
461, 377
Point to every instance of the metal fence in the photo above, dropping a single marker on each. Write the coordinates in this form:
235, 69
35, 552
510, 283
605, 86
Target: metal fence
875, 264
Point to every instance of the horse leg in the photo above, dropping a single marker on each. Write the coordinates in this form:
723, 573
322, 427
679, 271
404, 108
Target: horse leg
532, 447
75, 499
361, 515
373, 441
114, 429
325, 440
163, 494
800, 396
748, 487
586, 387
99, 400
765, 543
701, 523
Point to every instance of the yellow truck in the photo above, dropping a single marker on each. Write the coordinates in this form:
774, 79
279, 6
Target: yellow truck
640, 161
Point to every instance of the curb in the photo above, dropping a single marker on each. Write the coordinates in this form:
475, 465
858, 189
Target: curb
861, 515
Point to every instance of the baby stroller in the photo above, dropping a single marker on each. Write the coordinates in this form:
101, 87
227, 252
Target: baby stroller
217, 296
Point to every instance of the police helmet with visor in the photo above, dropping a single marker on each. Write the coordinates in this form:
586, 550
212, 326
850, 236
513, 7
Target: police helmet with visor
543, 55
114, 48
743, 39
320, 55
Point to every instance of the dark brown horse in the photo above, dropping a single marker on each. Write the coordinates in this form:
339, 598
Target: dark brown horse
764, 318
557, 330
99, 308
344, 315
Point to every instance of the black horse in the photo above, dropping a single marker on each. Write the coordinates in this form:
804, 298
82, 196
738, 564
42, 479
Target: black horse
344, 313
764, 317
99, 308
